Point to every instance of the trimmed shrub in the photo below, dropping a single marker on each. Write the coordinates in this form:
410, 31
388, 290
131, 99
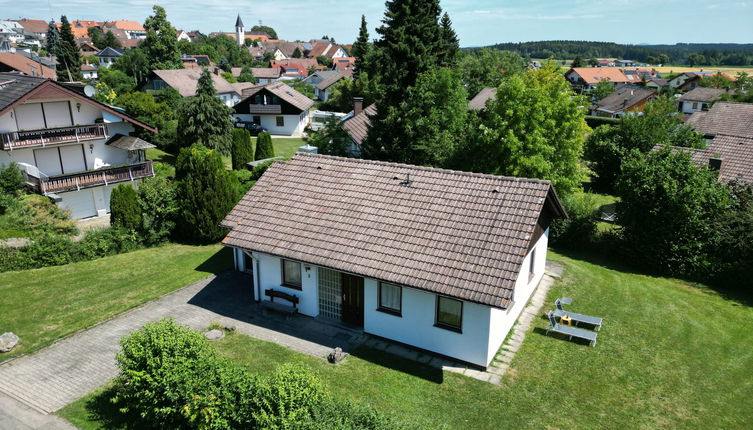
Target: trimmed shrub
242, 151
7, 201
245, 181
580, 226
41, 215
264, 147
125, 209
11, 179
206, 194
105, 242
259, 170
288, 398
159, 209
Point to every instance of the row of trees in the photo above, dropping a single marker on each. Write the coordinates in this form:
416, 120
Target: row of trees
714, 54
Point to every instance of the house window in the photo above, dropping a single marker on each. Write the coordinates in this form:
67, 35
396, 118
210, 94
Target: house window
390, 298
280, 120
532, 265
257, 120
695, 106
449, 314
291, 274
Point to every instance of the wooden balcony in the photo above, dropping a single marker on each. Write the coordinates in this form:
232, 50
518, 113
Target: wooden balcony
51, 136
92, 178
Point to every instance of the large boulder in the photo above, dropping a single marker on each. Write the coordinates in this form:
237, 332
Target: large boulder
215, 334
8, 341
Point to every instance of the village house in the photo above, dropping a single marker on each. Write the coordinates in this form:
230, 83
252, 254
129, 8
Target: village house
699, 99
323, 89
263, 75
87, 48
108, 56
277, 107
35, 28
295, 68
624, 100
447, 266
11, 31
357, 123
69, 147
656, 84
132, 29
325, 48
344, 65
88, 72
185, 81
478, 102
586, 78
727, 118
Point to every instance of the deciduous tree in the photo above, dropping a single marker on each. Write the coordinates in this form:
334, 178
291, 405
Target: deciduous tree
161, 45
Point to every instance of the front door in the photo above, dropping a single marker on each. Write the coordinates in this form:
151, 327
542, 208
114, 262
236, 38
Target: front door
352, 306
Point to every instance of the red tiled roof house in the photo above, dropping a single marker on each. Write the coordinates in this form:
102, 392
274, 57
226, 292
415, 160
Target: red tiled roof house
440, 260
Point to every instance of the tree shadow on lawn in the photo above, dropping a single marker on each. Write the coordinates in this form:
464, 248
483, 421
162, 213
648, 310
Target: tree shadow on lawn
558, 336
608, 258
101, 409
399, 364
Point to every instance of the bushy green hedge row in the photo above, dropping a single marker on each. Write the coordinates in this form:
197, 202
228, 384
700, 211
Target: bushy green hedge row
171, 377
55, 250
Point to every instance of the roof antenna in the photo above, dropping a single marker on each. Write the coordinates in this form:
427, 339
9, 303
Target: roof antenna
407, 182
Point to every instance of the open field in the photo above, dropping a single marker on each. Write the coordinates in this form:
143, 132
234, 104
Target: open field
732, 71
43, 305
670, 355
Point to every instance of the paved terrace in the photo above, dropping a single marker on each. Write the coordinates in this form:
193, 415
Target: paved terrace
55, 376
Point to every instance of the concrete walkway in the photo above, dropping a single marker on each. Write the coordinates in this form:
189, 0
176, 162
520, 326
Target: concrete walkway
75, 366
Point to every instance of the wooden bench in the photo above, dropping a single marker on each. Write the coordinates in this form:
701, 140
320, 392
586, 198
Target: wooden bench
280, 307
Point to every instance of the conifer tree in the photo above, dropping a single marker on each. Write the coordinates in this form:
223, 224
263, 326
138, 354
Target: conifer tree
125, 207
110, 40
68, 54
297, 53
242, 152
361, 48
264, 147
448, 55
206, 194
161, 45
247, 75
53, 37
204, 118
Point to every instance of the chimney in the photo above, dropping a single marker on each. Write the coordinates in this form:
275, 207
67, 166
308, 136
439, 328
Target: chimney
357, 105
715, 164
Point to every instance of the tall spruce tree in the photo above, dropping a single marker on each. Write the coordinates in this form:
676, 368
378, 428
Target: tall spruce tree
361, 48
204, 118
448, 55
410, 43
53, 37
68, 54
161, 45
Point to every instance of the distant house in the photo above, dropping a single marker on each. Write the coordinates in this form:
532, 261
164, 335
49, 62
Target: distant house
728, 118
587, 78
69, 147
695, 81
87, 48
344, 65
315, 78
190, 61
478, 102
185, 81
641, 74
16, 62
282, 50
12, 31
277, 107
36, 28
624, 100
295, 68
325, 48
624, 63
606, 63
680, 81
108, 56
88, 72
731, 156
357, 124
656, 83
182, 35
132, 29
263, 75
699, 99
441, 260
323, 89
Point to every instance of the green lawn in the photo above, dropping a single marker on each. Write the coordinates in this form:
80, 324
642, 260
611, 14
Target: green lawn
43, 305
670, 355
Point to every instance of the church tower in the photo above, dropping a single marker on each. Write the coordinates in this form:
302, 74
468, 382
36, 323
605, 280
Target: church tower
240, 36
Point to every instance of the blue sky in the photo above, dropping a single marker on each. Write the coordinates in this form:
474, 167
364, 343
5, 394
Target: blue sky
479, 22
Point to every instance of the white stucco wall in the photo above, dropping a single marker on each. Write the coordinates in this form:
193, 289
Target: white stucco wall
294, 124
270, 276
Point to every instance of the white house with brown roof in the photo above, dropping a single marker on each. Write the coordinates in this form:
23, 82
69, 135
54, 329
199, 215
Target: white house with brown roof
185, 81
69, 147
277, 107
699, 99
588, 77
440, 260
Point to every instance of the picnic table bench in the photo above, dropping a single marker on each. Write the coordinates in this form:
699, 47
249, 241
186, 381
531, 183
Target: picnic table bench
285, 308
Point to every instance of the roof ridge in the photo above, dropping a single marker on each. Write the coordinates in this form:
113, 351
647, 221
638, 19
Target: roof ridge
424, 168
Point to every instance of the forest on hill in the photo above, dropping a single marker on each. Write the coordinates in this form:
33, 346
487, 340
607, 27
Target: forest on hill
714, 54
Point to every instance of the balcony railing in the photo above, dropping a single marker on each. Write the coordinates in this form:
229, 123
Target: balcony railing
93, 178
51, 136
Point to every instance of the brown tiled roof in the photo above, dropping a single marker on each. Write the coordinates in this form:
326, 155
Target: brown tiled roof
329, 81
479, 101
730, 118
459, 234
258, 72
318, 49
33, 25
623, 99
284, 91
735, 152
357, 127
15, 61
594, 75
702, 94
125, 24
304, 63
186, 81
